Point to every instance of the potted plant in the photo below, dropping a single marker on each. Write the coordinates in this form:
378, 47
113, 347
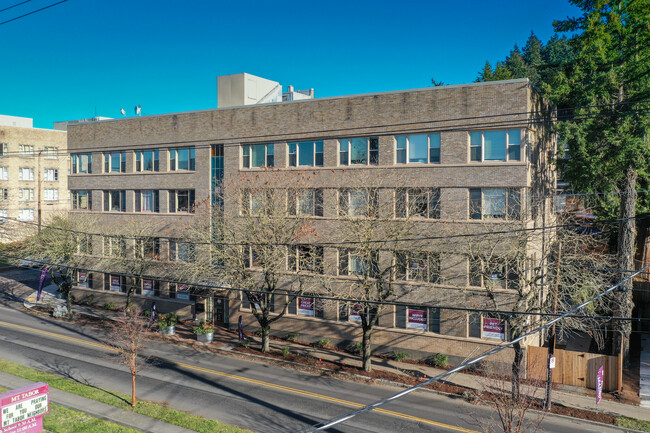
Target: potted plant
167, 323
204, 332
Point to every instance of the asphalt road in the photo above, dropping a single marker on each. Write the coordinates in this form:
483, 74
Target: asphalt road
253, 395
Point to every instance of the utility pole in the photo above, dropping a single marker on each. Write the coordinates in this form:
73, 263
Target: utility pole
551, 342
38, 189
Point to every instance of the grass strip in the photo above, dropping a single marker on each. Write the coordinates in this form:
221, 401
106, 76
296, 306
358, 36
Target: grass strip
633, 423
64, 420
150, 409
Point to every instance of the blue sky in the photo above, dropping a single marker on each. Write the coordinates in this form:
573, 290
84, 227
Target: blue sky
90, 56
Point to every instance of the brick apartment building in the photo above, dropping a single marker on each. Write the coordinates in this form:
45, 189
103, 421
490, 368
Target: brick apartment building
33, 176
465, 147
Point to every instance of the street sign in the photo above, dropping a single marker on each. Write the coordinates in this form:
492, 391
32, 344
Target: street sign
551, 362
22, 410
600, 376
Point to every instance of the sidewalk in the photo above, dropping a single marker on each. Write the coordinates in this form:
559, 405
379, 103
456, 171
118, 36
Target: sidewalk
98, 410
225, 340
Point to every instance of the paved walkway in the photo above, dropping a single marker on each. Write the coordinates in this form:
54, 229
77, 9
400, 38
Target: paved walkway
644, 384
569, 396
96, 409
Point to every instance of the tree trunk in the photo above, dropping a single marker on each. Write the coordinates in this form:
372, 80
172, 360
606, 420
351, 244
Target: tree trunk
626, 238
266, 338
132, 390
516, 369
366, 348
68, 299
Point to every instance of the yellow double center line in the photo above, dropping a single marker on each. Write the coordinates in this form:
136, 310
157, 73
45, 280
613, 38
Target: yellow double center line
249, 380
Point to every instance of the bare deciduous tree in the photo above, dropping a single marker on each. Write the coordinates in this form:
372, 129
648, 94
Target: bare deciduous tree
129, 337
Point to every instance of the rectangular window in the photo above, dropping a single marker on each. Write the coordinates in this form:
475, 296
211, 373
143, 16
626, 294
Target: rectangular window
51, 152
51, 195
148, 248
359, 151
26, 194
257, 155
114, 162
4, 173
306, 154
181, 200
417, 266
494, 203
418, 148
147, 201
26, 215
362, 202
4, 194
494, 273
182, 158
308, 202
81, 163
114, 246
26, 173
181, 251
305, 258
115, 201
84, 244
495, 145
4, 214
82, 200
147, 160
26, 150
51, 175
4, 148
355, 262
417, 203
258, 202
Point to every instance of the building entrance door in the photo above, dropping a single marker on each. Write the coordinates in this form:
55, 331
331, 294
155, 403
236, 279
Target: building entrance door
221, 311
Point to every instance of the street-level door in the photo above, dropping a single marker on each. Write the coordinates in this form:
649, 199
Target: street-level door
221, 310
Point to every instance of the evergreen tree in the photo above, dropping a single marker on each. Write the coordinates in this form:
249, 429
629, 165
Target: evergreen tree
533, 57
516, 65
486, 74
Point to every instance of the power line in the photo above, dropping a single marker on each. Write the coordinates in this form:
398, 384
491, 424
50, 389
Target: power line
33, 12
17, 4
334, 421
502, 313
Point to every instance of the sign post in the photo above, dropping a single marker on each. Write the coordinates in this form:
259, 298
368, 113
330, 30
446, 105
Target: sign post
22, 410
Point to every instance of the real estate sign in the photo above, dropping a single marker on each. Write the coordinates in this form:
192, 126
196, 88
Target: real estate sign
306, 306
22, 410
116, 284
494, 328
147, 287
417, 319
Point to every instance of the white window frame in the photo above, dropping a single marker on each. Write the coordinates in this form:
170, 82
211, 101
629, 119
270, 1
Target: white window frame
4, 149
480, 148
345, 151
51, 152
4, 214
26, 194
26, 170
296, 199
269, 155
4, 173
513, 206
26, 215
54, 175
26, 150
51, 194
317, 153
403, 145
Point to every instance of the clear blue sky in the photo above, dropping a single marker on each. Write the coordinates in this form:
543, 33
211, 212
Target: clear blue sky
90, 56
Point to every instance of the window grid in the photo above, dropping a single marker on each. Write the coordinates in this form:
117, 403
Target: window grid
305, 154
495, 145
4, 173
307, 202
182, 159
354, 202
26, 194
417, 203
26, 174
359, 151
417, 266
81, 163
258, 155
495, 203
51, 175
418, 148
147, 160
115, 162
26, 150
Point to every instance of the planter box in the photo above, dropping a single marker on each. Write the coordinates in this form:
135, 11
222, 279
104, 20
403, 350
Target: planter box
170, 330
205, 338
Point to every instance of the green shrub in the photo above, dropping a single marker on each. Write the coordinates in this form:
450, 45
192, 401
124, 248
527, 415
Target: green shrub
357, 348
204, 328
147, 313
323, 342
400, 355
245, 343
292, 336
440, 360
167, 320
286, 350
109, 306
90, 300
258, 332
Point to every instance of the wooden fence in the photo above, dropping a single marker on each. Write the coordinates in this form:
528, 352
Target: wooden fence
573, 368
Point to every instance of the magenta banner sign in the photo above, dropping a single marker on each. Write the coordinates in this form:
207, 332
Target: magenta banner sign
417, 319
355, 312
22, 410
600, 379
306, 306
147, 287
116, 284
494, 328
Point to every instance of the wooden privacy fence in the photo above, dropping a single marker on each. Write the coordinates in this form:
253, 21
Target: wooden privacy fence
573, 368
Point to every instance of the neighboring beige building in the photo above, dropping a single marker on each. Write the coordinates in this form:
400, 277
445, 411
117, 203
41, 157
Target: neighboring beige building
469, 148
33, 176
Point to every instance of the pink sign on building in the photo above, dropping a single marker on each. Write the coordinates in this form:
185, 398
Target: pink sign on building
306, 306
116, 284
600, 379
22, 410
147, 287
494, 328
417, 319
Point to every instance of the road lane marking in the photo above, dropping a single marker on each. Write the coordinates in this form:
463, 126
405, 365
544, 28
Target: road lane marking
250, 380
